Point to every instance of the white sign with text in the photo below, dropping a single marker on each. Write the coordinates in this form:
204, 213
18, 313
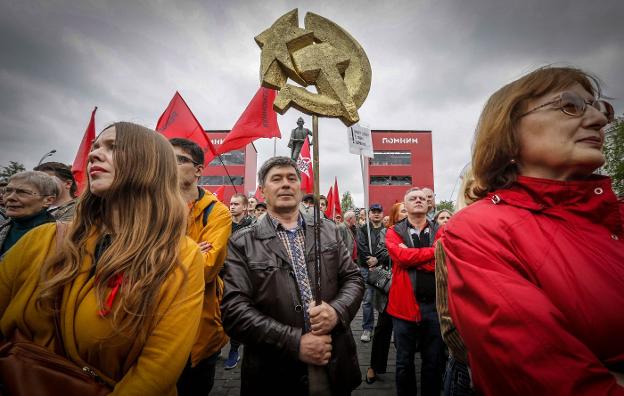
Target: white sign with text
360, 140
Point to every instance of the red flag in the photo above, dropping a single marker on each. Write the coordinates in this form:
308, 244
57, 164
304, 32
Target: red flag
304, 163
178, 121
79, 167
259, 120
219, 193
258, 195
337, 207
329, 211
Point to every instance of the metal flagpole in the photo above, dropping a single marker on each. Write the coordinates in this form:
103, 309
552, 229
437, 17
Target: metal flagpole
370, 249
227, 173
461, 174
318, 379
334, 208
317, 212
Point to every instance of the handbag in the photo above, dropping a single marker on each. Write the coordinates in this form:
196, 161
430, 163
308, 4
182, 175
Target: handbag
380, 278
30, 369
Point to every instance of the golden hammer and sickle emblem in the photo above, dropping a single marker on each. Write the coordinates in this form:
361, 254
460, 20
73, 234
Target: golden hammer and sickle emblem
324, 55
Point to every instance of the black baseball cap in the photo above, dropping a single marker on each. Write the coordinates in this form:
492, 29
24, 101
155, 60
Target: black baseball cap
308, 197
261, 205
376, 206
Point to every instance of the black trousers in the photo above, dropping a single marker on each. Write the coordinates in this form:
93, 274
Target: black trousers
198, 380
426, 335
234, 345
382, 336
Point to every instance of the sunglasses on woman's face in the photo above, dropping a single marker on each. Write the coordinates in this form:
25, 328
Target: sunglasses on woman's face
574, 105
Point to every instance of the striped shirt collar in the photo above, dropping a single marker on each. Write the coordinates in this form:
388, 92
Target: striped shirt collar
279, 227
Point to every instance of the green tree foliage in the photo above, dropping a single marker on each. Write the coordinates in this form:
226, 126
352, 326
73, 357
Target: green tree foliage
346, 203
448, 205
13, 168
614, 154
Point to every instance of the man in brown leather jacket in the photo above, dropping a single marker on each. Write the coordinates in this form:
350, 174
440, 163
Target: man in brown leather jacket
268, 302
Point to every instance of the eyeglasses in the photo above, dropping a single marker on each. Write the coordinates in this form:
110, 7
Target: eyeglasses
18, 191
185, 160
574, 105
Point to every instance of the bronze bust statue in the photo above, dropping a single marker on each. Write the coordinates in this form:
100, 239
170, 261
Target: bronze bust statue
298, 137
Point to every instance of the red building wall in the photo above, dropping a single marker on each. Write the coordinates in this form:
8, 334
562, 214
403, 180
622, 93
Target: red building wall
239, 164
388, 180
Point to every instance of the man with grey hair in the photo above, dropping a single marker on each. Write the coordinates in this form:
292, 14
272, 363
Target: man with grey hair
412, 298
291, 344
350, 221
345, 233
65, 205
431, 207
27, 197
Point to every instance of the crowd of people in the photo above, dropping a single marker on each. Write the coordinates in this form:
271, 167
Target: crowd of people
144, 278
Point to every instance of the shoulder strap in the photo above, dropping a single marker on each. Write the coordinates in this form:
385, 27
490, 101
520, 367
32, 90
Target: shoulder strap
381, 242
207, 213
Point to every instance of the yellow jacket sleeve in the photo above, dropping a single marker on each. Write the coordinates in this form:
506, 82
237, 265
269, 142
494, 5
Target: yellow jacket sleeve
19, 277
8, 265
24, 257
168, 346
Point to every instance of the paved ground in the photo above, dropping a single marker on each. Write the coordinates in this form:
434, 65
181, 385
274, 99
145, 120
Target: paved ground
227, 382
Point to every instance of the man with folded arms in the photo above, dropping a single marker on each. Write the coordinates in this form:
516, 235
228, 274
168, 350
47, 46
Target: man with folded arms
412, 298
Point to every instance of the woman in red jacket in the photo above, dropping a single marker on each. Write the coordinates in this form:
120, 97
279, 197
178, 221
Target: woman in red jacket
536, 266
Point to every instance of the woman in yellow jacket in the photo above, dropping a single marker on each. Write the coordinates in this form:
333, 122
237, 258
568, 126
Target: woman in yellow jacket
131, 282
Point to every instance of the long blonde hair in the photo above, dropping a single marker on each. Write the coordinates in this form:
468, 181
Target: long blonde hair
145, 211
466, 196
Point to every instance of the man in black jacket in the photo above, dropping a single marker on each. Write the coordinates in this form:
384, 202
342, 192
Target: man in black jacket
291, 345
368, 259
238, 209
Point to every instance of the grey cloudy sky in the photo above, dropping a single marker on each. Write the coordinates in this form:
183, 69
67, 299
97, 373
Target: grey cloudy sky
434, 65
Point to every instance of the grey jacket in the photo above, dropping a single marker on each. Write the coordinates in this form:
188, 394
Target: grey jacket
347, 237
262, 308
65, 212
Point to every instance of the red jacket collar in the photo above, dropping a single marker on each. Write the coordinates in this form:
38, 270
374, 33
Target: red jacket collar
593, 198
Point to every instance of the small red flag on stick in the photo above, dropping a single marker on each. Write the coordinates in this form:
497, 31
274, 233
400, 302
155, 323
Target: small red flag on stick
337, 207
79, 167
329, 211
259, 120
258, 195
178, 121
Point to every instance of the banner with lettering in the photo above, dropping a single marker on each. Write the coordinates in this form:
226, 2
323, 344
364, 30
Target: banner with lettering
304, 163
